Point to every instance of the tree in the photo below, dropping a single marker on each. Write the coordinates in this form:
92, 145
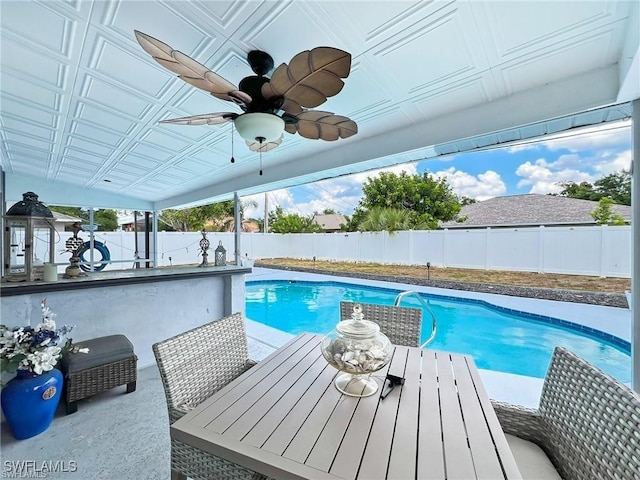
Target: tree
427, 200
280, 222
185, 220
217, 217
107, 219
386, 219
583, 190
603, 215
616, 186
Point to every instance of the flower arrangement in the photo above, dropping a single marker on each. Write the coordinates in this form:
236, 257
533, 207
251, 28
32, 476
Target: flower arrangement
35, 349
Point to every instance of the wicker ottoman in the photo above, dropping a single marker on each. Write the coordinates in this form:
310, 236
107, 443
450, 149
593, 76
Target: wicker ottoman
110, 362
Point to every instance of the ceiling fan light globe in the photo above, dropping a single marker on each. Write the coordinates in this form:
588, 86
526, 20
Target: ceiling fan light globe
252, 126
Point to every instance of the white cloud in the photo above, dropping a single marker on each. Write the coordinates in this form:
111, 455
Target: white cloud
520, 147
616, 163
486, 185
340, 194
410, 168
543, 177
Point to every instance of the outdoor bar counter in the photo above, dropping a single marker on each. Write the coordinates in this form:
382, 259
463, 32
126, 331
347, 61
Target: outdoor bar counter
146, 305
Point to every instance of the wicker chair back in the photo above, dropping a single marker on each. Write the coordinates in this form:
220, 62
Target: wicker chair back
193, 365
591, 421
403, 325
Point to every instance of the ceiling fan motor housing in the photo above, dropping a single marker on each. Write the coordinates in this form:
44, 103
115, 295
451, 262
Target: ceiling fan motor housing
252, 86
260, 62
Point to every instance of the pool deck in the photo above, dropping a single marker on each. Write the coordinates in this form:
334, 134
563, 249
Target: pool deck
506, 387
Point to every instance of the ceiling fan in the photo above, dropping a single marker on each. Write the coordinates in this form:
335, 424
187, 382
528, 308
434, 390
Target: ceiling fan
269, 105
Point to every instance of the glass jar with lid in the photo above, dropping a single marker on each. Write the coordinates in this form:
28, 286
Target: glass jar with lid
357, 348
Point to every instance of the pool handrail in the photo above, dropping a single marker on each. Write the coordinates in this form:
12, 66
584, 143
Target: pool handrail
427, 307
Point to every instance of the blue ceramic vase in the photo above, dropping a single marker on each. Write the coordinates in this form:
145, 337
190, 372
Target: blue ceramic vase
29, 402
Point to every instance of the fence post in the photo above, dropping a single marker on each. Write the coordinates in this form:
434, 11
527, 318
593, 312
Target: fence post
445, 234
487, 249
603, 233
540, 249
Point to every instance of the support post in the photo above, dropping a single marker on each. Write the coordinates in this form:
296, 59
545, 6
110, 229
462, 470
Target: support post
635, 255
92, 237
155, 239
237, 218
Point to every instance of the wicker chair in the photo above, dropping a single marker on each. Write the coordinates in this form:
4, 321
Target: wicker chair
588, 423
403, 325
193, 365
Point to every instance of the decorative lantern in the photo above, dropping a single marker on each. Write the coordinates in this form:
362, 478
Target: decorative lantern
221, 255
29, 240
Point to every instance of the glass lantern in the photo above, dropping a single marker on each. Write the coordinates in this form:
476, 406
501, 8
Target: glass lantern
357, 348
29, 240
221, 255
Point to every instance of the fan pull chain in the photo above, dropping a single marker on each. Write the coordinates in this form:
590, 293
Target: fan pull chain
232, 159
261, 139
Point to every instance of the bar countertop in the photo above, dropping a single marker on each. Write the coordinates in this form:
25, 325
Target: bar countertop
119, 277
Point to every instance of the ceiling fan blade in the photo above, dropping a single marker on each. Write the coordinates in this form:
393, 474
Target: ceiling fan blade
318, 125
291, 107
204, 119
191, 71
310, 77
291, 128
265, 146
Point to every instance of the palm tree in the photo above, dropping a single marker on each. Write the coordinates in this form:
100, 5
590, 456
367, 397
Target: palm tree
389, 219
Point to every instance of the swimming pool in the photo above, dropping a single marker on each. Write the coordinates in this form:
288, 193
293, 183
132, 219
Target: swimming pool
497, 339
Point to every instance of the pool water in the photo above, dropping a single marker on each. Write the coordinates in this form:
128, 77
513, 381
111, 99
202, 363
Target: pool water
496, 340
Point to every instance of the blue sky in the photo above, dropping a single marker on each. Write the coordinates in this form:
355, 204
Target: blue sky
530, 167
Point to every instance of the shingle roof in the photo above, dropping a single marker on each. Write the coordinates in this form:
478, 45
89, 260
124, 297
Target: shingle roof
531, 209
331, 221
63, 218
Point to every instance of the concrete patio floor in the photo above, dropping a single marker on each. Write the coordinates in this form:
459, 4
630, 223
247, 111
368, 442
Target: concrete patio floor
115, 436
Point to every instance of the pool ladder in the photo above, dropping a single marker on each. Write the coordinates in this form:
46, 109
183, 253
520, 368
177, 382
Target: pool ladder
411, 293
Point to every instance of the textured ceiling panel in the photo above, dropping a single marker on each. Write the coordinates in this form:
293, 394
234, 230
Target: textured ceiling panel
81, 100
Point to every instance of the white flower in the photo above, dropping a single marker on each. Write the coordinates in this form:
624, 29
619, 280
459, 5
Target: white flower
44, 360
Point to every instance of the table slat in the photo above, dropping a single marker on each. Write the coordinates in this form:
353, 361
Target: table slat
263, 401
480, 441
223, 398
430, 446
318, 373
286, 430
402, 463
458, 461
502, 446
376, 455
325, 448
306, 436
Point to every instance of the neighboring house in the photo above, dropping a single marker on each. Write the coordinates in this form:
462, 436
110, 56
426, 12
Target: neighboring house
530, 210
126, 223
248, 226
330, 222
64, 222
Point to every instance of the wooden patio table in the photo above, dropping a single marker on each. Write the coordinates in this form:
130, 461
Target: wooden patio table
284, 418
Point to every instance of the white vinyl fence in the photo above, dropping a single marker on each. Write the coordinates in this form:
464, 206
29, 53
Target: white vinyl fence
597, 250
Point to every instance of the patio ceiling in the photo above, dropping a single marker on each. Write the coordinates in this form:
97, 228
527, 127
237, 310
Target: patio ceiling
81, 100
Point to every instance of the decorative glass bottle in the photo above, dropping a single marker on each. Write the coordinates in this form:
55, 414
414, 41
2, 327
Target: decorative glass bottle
357, 348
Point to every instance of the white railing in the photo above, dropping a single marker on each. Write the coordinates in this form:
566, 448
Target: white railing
597, 250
